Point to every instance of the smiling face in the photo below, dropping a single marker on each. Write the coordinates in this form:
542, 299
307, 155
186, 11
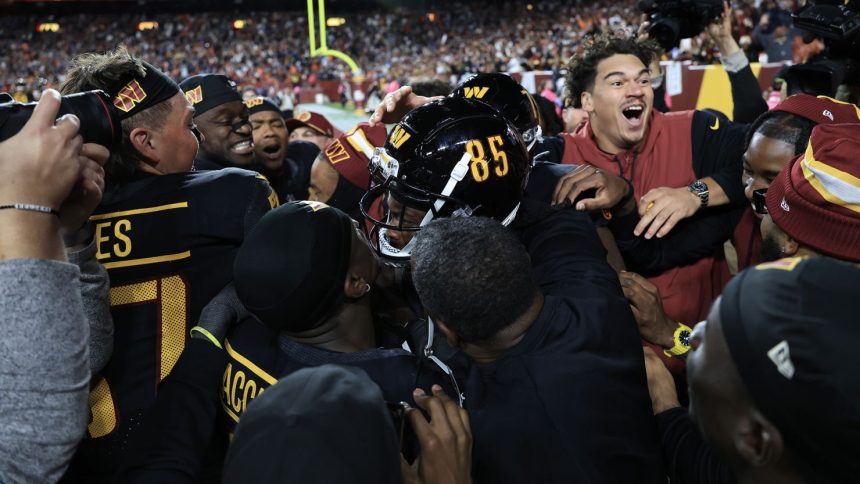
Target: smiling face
270, 139
619, 103
227, 133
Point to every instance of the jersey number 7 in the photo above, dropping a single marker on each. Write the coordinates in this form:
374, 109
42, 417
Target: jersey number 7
170, 294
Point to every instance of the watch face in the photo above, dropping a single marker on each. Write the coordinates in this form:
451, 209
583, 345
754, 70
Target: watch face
684, 338
699, 186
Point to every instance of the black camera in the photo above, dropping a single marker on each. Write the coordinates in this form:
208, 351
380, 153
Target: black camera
838, 25
100, 121
673, 20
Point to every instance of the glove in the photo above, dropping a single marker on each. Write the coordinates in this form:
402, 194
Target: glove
222, 312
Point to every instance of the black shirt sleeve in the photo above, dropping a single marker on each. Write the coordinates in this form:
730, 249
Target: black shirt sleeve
688, 242
747, 96
689, 459
175, 432
567, 255
718, 148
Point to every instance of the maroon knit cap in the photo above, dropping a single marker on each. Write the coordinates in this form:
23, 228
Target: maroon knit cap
816, 198
820, 109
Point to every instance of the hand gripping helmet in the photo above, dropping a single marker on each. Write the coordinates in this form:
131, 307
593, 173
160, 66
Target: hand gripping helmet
507, 96
450, 158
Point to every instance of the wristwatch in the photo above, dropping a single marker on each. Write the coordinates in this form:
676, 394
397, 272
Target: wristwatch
681, 338
700, 189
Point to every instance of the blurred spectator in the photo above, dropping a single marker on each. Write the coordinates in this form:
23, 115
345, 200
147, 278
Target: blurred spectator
548, 92
458, 38
778, 43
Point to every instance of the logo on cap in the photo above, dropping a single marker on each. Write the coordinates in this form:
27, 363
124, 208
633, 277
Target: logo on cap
254, 102
336, 152
305, 116
195, 95
827, 114
781, 357
784, 205
129, 96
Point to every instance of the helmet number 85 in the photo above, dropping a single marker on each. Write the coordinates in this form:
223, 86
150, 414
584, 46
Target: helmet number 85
480, 165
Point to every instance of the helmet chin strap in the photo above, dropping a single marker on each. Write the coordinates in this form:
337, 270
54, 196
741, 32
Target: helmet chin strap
460, 170
510, 218
537, 136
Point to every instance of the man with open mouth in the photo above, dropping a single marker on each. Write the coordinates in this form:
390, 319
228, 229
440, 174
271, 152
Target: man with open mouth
695, 151
222, 119
269, 133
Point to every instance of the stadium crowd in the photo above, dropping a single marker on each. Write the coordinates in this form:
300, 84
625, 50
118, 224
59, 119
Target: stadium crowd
270, 51
478, 284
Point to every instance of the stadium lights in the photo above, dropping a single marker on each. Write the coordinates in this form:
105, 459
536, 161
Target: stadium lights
47, 27
335, 21
240, 24
147, 26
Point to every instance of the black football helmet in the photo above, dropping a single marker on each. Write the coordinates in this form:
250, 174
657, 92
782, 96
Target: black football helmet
507, 96
450, 158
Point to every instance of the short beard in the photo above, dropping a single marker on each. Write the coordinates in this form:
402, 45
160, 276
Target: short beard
770, 250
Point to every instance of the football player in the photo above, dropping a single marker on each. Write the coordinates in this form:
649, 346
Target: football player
166, 235
222, 118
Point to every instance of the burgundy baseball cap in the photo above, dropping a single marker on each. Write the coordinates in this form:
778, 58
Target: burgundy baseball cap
820, 109
314, 121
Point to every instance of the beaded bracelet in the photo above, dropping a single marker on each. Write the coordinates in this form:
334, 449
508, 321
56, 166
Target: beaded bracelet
30, 207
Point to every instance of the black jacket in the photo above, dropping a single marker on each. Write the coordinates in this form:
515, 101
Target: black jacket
569, 403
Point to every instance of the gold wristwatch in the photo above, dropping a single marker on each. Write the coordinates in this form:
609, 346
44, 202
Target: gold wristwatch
681, 337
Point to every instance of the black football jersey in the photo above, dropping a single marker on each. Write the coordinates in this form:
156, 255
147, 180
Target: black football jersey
257, 357
168, 243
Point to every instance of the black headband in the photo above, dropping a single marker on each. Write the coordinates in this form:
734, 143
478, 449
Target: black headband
207, 91
142, 92
260, 104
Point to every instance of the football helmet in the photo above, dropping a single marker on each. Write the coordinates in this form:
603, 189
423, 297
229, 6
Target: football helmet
454, 157
507, 96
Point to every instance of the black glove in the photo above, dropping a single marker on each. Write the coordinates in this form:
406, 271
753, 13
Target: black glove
222, 312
